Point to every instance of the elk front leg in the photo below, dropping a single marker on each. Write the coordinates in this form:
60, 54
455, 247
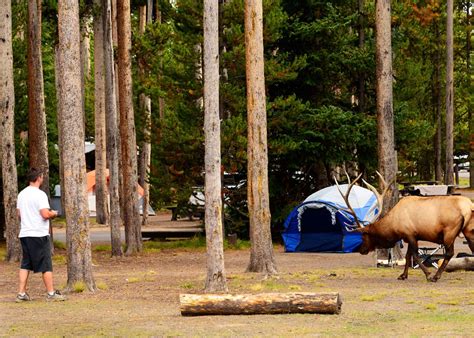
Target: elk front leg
404, 275
447, 257
413, 247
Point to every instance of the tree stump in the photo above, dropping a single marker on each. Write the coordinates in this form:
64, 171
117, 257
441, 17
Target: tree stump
463, 263
265, 303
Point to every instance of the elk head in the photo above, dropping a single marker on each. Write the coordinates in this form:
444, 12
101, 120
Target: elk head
368, 242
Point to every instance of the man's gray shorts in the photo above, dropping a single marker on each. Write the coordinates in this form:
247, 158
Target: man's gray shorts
36, 254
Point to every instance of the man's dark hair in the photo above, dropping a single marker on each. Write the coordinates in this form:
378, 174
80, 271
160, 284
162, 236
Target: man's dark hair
33, 174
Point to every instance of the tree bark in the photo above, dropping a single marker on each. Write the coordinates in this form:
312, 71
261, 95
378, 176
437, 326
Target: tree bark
145, 108
127, 131
216, 278
470, 107
269, 303
361, 80
71, 121
112, 131
37, 134
101, 196
449, 177
385, 124
262, 258
438, 109
7, 111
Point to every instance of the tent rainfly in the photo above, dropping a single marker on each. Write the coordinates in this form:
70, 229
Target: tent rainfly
319, 223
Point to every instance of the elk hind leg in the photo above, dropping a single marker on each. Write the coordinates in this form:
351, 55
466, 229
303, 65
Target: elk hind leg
404, 275
468, 232
448, 256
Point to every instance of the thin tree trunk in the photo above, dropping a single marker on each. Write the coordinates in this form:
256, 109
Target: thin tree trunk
145, 109
262, 258
361, 45
37, 135
470, 107
85, 60
60, 108
216, 279
79, 267
37, 132
112, 131
101, 196
7, 111
449, 177
113, 137
127, 131
438, 113
386, 138
385, 124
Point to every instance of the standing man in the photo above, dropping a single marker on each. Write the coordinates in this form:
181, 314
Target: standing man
34, 212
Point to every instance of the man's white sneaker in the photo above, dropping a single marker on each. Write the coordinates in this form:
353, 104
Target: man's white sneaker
55, 297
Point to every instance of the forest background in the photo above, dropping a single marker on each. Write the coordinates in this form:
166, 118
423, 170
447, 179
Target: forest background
320, 86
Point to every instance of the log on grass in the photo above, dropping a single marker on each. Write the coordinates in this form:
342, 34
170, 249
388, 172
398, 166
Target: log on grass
463, 263
264, 303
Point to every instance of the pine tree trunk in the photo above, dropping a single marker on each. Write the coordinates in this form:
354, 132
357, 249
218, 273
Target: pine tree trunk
361, 83
112, 131
71, 121
145, 108
7, 111
262, 258
470, 107
385, 124
101, 196
216, 279
437, 108
449, 177
127, 131
85, 60
37, 135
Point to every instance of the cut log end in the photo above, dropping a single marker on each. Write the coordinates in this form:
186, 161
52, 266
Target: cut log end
265, 303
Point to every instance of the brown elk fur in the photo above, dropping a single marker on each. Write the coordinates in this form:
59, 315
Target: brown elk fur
438, 219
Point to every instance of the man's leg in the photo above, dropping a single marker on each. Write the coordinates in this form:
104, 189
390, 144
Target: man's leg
48, 281
23, 277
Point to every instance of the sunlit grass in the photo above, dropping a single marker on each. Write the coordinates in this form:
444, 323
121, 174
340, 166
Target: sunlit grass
373, 298
101, 285
187, 285
79, 287
59, 245
59, 259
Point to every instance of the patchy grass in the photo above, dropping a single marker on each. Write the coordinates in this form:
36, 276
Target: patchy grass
101, 285
59, 245
79, 287
140, 297
59, 259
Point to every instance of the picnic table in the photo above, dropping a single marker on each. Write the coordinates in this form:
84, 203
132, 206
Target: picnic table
427, 188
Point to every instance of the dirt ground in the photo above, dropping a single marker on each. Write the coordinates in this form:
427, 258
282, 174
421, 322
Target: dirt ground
139, 296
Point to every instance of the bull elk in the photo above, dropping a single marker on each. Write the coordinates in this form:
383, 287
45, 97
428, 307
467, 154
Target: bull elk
437, 219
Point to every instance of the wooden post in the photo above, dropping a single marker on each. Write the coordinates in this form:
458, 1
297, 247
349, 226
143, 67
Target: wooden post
264, 303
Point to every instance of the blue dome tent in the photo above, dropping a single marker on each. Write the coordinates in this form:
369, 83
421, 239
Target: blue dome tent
319, 223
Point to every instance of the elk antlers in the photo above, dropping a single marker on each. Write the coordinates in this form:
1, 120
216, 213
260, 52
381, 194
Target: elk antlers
379, 197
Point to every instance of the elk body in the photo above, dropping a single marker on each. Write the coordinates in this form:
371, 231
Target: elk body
437, 219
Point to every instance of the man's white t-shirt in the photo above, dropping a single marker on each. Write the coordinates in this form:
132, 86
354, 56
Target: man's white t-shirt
30, 201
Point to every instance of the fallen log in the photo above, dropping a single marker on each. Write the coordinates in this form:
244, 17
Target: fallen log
264, 303
463, 263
